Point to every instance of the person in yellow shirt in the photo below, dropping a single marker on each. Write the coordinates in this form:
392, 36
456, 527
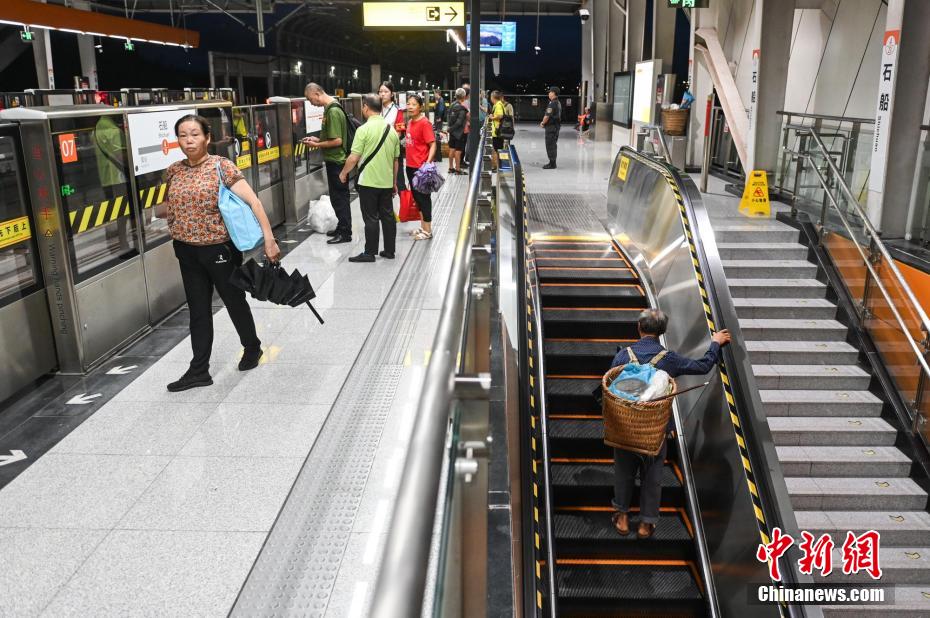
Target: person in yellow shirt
498, 111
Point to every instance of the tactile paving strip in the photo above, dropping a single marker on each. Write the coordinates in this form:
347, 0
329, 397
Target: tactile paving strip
564, 212
296, 569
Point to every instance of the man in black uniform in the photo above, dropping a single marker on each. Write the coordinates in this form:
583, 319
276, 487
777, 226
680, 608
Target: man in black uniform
552, 122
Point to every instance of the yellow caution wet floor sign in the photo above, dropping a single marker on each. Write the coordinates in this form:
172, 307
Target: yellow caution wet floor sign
755, 201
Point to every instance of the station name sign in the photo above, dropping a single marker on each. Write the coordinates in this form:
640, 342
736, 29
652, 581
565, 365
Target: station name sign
414, 15
689, 4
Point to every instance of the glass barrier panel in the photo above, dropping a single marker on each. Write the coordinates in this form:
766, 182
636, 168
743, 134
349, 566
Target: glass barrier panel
244, 143
91, 159
267, 151
19, 273
447, 590
299, 131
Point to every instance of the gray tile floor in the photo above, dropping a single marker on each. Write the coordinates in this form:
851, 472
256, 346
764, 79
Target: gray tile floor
160, 502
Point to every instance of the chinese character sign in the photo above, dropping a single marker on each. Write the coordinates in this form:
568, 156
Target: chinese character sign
859, 553
884, 109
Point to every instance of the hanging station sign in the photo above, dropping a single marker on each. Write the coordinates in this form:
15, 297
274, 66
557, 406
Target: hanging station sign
414, 15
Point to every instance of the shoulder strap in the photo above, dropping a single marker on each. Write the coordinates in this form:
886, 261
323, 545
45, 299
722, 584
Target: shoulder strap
633, 358
658, 358
387, 130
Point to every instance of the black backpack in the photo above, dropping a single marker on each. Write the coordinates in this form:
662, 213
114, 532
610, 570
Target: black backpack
352, 125
506, 129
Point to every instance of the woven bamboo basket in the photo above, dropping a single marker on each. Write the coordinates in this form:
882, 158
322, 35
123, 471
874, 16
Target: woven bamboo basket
674, 121
634, 426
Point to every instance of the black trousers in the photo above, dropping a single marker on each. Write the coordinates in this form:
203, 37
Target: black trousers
204, 268
424, 200
650, 490
378, 207
339, 197
552, 143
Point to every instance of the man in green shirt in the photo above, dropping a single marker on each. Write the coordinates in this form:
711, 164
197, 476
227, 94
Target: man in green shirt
333, 141
375, 150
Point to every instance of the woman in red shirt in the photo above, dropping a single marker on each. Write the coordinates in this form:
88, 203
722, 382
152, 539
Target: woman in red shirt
421, 148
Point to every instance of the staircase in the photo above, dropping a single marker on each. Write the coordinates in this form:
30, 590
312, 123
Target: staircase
838, 454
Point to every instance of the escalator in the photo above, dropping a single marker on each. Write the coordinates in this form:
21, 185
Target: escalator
590, 301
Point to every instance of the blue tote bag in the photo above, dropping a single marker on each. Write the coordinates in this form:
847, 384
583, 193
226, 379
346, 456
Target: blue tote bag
240, 221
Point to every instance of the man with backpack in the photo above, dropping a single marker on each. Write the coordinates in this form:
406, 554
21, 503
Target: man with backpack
336, 142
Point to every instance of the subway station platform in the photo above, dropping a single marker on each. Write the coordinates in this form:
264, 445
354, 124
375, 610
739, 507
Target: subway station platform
179, 503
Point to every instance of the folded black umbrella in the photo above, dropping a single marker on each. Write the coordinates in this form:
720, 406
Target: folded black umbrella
269, 281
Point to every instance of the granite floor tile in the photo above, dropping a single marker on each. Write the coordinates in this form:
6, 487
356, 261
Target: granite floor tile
215, 493
298, 383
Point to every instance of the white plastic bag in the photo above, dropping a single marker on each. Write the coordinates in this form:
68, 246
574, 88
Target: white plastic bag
322, 218
658, 386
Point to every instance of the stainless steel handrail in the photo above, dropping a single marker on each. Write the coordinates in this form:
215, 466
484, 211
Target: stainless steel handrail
827, 117
402, 579
878, 244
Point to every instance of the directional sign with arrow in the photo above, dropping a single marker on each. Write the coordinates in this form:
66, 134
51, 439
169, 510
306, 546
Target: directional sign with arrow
82, 399
119, 370
414, 15
13, 457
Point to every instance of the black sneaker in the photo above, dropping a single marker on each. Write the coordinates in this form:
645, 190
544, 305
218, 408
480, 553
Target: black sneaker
362, 257
332, 233
549, 166
189, 380
338, 239
250, 359
386, 255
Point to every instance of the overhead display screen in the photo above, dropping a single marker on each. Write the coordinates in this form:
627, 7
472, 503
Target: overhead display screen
498, 36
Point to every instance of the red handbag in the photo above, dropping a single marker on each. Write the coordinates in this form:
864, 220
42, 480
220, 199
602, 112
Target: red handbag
408, 207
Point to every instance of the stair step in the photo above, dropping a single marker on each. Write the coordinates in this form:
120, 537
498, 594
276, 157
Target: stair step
801, 352
762, 233
581, 262
761, 251
769, 269
855, 494
593, 323
831, 431
581, 357
785, 308
909, 602
576, 275
811, 377
606, 589
592, 484
820, 403
571, 395
578, 438
898, 528
792, 330
592, 533
776, 288
843, 461
900, 565
620, 295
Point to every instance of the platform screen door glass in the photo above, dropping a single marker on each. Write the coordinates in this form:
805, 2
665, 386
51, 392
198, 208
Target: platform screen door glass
92, 163
267, 149
19, 272
623, 99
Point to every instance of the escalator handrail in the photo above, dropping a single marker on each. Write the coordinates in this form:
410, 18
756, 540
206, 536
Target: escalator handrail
530, 281
401, 583
771, 487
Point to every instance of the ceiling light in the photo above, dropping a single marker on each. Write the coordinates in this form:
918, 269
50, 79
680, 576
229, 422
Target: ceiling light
71, 31
11, 23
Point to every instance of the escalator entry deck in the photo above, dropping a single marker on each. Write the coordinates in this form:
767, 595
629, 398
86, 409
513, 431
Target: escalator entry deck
591, 299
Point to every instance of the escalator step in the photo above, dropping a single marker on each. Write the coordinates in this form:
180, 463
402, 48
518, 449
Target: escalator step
623, 295
593, 323
567, 245
569, 438
572, 395
576, 275
595, 252
580, 262
592, 533
581, 357
628, 590
592, 484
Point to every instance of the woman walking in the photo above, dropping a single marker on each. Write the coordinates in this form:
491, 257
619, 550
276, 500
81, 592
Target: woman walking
458, 121
421, 148
205, 253
395, 118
